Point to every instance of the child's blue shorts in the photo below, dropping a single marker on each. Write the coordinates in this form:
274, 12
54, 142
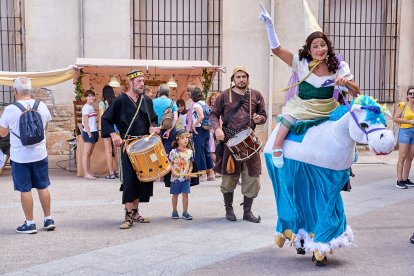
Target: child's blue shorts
178, 187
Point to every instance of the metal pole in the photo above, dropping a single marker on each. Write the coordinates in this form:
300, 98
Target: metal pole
270, 76
81, 30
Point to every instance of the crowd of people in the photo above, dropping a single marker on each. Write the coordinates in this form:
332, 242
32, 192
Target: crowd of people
195, 135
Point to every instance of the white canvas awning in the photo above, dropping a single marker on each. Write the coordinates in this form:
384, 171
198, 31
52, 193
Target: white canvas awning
153, 67
39, 79
184, 71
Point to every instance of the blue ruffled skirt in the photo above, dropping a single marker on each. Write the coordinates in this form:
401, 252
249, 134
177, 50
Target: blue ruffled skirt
309, 205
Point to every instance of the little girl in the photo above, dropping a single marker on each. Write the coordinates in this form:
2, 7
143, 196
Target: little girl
181, 158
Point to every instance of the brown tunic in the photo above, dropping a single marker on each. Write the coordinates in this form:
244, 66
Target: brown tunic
223, 108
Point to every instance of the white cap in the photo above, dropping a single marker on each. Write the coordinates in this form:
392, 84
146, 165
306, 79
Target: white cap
22, 84
311, 25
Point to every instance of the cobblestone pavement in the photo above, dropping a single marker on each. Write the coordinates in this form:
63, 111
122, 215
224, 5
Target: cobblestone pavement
87, 239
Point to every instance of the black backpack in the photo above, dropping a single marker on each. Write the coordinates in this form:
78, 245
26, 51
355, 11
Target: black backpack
30, 125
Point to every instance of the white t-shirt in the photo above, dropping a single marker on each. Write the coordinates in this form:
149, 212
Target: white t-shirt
88, 110
199, 106
10, 120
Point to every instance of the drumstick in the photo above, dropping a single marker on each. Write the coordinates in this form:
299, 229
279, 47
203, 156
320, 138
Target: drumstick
148, 137
193, 174
190, 174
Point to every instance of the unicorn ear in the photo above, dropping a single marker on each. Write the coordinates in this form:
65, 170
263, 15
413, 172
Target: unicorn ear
388, 113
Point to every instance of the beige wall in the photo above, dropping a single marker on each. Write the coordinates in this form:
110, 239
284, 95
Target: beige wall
107, 28
245, 43
53, 35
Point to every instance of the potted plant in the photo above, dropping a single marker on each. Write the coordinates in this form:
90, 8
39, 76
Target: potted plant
206, 83
79, 91
78, 102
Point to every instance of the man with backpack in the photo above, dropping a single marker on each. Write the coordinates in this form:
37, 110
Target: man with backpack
26, 121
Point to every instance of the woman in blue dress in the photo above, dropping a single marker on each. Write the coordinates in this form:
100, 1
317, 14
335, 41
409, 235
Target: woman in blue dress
302, 207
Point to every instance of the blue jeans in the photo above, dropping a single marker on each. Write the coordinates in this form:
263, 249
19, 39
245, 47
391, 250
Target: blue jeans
202, 156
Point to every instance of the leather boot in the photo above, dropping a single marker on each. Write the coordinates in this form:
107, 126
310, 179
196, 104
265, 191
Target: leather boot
247, 207
228, 202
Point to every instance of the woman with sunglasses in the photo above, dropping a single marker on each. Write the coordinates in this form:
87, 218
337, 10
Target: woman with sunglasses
404, 116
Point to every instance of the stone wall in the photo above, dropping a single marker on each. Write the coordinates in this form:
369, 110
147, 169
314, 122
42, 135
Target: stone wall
60, 129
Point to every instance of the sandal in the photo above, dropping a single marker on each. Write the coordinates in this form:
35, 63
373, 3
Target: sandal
317, 262
110, 176
278, 161
301, 250
128, 222
136, 217
89, 177
412, 239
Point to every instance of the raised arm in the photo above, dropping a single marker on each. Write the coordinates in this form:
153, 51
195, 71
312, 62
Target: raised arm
274, 43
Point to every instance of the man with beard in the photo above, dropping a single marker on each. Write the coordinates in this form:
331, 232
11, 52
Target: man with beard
239, 108
121, 113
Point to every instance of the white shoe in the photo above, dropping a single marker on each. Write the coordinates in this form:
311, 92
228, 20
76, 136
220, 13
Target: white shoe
278, 161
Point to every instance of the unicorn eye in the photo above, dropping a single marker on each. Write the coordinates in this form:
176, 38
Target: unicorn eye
364, 125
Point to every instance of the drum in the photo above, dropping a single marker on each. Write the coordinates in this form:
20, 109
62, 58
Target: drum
244, 144
148, 158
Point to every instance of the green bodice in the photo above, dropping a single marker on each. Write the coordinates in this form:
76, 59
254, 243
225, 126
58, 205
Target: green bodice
307, 91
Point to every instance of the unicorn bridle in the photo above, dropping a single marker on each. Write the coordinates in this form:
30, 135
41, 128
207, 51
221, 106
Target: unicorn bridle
374, 109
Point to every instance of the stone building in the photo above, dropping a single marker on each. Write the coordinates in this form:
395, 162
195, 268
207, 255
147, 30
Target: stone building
375, 38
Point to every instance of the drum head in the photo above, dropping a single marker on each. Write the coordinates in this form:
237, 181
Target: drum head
239, 137
143, 144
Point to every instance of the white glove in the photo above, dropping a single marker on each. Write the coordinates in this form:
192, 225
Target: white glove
271, 34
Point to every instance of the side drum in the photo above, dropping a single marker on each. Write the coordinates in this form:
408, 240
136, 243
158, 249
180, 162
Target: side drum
148, 158
244, 145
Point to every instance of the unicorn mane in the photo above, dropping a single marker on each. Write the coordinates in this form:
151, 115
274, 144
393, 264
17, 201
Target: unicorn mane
375, 111
374, 114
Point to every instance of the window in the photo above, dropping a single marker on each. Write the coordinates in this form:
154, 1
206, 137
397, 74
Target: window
178, 30
11, 43
365, 33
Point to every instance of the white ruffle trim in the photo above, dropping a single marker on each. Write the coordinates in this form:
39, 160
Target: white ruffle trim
344, 240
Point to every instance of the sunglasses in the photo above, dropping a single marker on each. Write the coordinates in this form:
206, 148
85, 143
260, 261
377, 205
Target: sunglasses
410, 93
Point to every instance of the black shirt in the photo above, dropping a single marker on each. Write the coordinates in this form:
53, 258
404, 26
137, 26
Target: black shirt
121, 112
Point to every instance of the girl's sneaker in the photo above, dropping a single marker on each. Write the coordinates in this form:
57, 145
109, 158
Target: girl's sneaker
174, 215
187, 216
408, 183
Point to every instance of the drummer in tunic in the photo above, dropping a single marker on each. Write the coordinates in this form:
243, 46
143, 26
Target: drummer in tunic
121, 113
240, 108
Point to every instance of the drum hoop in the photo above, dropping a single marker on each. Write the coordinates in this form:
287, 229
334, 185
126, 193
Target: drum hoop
229, 142
146, 150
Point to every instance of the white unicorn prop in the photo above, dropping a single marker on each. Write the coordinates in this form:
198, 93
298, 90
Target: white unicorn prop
307, 188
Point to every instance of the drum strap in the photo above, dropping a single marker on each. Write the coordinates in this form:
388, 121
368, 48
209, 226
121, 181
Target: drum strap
133, 119
234, 112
